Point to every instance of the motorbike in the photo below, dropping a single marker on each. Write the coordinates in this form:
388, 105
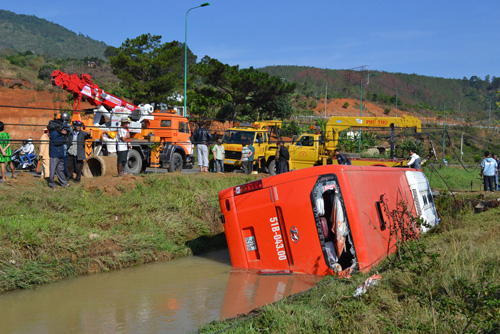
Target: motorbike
18, 165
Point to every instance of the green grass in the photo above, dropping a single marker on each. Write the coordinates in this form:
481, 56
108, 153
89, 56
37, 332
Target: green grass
46, 236
454, 178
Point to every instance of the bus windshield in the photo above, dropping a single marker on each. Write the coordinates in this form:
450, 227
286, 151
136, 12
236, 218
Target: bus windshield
238, 137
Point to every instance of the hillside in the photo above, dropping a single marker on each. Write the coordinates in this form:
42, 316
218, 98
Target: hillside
22, 33
414, 93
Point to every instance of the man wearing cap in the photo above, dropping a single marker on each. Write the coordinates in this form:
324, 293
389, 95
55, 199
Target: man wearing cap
28, 152
44, 154
122, 145
76, 152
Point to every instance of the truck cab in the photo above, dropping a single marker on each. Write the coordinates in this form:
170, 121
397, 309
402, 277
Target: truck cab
331, 219
305, 151
263, 135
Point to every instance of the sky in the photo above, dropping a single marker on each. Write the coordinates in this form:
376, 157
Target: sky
440, 38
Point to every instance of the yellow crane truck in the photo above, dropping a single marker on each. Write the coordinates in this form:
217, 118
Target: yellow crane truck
263, 134
315, 149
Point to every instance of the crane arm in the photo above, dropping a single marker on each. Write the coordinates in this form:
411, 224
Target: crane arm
337, 124
82, 85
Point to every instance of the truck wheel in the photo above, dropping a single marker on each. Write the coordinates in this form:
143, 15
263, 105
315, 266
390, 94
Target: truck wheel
176, 163
134, 162
272, 168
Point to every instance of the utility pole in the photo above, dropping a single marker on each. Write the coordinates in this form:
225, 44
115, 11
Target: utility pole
326, 97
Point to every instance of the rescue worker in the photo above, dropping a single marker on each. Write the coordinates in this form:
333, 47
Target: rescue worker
122, 145
415, 160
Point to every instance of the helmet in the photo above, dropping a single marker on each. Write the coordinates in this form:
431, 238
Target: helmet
125, 119
30, 140
65, 116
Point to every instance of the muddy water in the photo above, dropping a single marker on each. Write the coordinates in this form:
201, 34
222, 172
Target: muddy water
169, 297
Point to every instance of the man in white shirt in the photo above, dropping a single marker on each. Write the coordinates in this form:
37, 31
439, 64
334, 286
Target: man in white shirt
122, 145
27, 152
415, 160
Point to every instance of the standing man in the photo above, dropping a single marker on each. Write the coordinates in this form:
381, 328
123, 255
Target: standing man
219, 156
284, 158
44, 154
76, 152
415, 160
247, 157
122, 145
496, 171
488, 168
202, 138
56, 152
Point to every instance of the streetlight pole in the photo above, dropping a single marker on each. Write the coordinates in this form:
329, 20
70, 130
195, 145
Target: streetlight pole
361, 106
444, 129
185, 55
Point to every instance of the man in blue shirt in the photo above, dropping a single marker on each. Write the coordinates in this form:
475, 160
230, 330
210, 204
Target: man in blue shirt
488, 168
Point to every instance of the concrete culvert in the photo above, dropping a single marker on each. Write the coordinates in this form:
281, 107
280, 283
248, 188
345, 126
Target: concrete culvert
100, 166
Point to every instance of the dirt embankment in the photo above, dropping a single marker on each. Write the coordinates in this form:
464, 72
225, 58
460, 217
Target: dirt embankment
350, 107
26, 111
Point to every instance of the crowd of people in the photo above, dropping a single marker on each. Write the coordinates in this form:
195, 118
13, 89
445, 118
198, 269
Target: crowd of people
62, 153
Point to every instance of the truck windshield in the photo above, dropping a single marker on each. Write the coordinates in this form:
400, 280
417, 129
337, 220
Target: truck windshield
238, 137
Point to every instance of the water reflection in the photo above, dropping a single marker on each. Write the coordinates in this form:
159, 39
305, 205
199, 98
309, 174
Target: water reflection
168, 297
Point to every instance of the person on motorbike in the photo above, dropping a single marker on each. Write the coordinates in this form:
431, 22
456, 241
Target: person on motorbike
27, 153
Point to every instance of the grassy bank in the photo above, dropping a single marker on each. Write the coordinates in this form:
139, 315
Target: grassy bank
104, 224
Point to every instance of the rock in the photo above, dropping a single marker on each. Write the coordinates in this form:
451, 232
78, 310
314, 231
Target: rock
93, 236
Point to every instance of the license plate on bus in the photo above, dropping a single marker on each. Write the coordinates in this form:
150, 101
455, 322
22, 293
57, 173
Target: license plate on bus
250, 241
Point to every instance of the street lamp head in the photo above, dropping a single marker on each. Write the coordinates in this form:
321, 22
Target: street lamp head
205, 4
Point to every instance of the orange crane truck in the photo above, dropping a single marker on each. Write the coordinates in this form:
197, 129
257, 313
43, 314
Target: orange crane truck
158, 138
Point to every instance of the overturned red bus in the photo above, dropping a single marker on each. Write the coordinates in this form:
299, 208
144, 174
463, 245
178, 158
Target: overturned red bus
325, 220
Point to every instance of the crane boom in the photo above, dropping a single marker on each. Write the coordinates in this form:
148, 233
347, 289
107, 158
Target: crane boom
337, 124
82, 85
